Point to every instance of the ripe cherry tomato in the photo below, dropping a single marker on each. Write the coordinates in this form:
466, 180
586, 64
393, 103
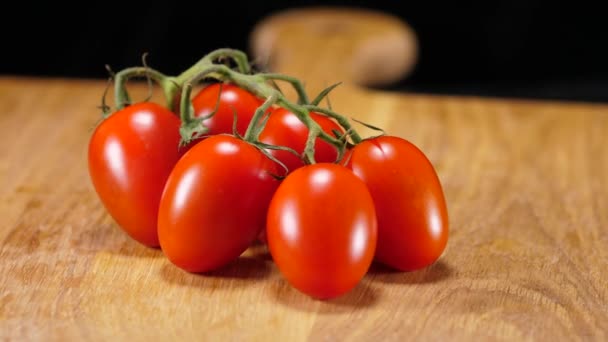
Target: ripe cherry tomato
233, 99
409, 201
285, 129
130, 156
321, 229
215, 202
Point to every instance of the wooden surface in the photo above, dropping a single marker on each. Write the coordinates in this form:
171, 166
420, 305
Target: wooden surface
527, 190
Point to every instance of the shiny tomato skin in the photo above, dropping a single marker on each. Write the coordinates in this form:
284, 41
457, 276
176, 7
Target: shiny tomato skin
130, 156
321, 230
409, 200
283, 128
214, 203
233, 99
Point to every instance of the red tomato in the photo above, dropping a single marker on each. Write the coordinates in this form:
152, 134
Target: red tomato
409, 201
285, 129
131, 154
214, 204
233, 99
322, 230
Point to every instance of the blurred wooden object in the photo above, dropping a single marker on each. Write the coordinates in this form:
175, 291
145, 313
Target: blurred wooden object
527, 190
332, 44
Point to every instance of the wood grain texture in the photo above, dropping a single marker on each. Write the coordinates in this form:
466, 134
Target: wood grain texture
527, 190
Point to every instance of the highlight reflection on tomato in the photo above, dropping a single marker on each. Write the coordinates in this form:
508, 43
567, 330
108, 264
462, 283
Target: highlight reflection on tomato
130, 156
321, 229
409, 200
215, 202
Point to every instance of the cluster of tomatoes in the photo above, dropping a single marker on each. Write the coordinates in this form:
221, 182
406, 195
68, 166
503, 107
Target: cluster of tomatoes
205, 202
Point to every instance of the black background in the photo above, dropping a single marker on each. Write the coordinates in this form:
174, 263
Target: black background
530, 49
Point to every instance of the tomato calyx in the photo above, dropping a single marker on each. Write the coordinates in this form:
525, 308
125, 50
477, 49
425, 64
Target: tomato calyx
106, 110
374, 128
324, 94
192, 128
252, 135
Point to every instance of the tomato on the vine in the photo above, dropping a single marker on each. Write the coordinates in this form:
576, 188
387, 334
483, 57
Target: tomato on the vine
283, 128
409, 200
321, 229
233, 99
130, 156
215, 202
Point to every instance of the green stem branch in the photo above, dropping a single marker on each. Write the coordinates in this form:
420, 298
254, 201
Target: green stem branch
296, 84
340, 119
120, 91
253, 131
314, 130
258, 85
239, 57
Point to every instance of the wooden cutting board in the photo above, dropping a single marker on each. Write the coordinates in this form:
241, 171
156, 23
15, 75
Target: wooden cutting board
526, 184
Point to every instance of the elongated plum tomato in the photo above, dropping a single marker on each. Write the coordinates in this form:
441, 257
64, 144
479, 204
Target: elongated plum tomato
130, 156
322, 230
214, 203
409, 200
233, 99
283, 128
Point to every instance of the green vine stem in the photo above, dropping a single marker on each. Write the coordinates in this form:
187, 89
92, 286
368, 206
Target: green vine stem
171, 86
314, 130
324, 94
297, 85
257, 123
121, 96
179, 88
258, 85
340, 119
239, 58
